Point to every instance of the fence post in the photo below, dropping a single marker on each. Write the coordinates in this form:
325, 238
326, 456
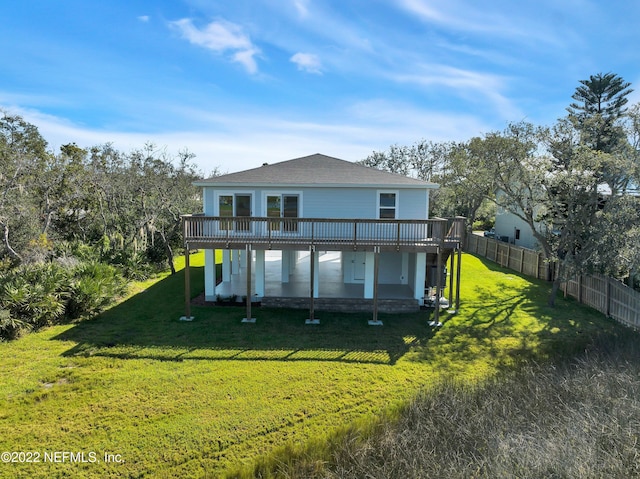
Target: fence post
580, 288
608, 307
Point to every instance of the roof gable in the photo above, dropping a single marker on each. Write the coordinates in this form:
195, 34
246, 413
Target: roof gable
316, 171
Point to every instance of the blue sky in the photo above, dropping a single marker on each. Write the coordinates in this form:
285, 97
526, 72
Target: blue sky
242, 82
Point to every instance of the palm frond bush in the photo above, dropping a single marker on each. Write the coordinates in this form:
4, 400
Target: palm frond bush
10, 328
35, 293
93, 287
43, 294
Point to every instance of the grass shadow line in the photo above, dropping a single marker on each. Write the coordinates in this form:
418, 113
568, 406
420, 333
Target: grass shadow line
149, 323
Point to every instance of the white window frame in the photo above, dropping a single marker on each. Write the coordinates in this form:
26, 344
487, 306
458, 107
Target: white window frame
219, 193
396, 207
282, 194
216, 206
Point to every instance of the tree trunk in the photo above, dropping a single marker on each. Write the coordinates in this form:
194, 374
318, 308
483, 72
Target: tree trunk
47, 221
5, 240
560, 275
169, 251
554, 292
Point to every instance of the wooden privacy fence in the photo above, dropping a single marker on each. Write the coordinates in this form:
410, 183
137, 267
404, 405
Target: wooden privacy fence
523, 260
607, 295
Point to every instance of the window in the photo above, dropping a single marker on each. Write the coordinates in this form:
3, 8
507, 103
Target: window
235, 205
283, 206
243, 208
225, 203
387, 205
290, 210
274, 208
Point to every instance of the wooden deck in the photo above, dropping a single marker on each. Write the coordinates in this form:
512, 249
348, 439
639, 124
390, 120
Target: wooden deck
438, 236
218, 232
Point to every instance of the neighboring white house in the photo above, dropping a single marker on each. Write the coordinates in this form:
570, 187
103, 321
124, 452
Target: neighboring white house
510, 228
365, 231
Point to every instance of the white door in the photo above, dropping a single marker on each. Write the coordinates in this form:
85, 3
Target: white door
359, 266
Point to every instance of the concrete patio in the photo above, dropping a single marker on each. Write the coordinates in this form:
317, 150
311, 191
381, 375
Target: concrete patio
331, 284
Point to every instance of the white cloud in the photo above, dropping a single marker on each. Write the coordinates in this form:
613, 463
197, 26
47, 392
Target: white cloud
302, 7
433, 74
221, 37
307, 62
503, 19
423, 10
246, 140
246, 58
143, 18
465, 83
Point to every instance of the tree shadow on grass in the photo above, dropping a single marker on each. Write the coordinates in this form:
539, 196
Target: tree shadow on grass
503, 318
147, 326
506, 314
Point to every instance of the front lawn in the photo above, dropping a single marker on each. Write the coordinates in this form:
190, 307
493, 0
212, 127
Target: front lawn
176, 399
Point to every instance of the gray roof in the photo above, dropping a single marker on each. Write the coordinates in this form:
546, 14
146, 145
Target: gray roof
315, 170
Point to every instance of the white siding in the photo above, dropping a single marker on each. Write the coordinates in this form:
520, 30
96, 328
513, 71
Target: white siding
507, 225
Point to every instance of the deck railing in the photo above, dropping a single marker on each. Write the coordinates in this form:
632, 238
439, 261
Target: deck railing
202, 229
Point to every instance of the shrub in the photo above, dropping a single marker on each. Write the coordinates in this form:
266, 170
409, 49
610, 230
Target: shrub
93, 287
10, 328
156, 252
76, 249
132, 265
36, 294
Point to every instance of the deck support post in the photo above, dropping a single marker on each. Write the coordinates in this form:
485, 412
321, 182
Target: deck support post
226, 265
376, 270
187, 286
312, 286
248, 319
210, 274
259, 274
450, 273
436, 313
458, 279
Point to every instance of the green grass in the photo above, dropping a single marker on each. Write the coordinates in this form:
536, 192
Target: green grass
179, 399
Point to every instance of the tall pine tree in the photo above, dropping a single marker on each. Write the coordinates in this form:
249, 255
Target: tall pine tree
599, 104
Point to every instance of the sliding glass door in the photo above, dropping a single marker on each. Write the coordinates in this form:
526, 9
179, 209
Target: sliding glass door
290, 210
285, 207
235, 205
243, 209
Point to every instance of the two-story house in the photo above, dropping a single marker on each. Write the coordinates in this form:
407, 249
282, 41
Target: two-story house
322, 230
